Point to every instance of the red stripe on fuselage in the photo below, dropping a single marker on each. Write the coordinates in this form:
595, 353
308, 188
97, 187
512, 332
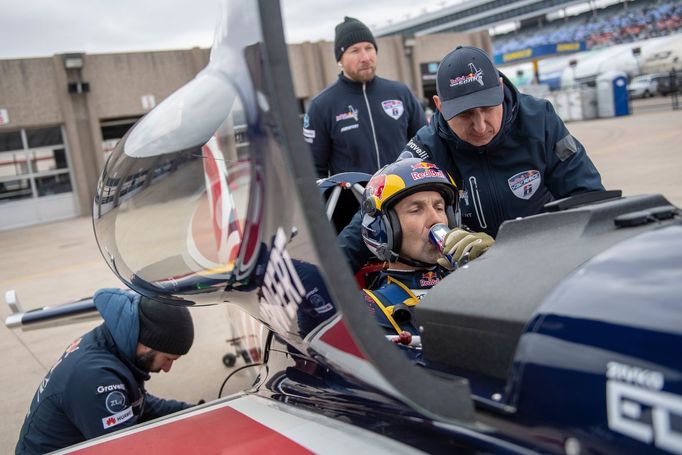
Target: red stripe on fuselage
339, 337
223, 430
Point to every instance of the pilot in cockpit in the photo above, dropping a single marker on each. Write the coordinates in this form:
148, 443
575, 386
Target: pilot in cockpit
409, 221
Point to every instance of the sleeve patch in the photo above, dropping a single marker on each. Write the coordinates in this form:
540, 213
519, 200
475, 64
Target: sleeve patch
118, 418
308, 135
415, 149
566, 147
109, 388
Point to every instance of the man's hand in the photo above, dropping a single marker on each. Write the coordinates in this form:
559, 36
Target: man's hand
460, 243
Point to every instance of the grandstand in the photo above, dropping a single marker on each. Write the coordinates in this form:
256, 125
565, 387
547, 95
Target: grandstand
533, 29
616, 24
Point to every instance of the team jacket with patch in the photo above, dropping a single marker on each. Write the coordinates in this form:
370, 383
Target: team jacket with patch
531, 161
360, 127
94, 388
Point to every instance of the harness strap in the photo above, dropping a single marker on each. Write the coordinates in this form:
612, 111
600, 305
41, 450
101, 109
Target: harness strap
393, 293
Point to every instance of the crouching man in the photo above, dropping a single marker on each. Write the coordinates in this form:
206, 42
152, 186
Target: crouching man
97, 385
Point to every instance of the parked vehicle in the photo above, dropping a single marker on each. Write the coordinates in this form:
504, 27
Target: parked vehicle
645, 86
671, 83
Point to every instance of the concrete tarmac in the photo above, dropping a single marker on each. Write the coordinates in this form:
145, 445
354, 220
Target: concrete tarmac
59, 262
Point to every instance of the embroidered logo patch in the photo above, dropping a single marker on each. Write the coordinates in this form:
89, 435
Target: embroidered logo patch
524, 184
350, 127
428, 279
475, 75
116, 402
393, 108
351, 114
110, 388
308, 135
119, 417
319, 304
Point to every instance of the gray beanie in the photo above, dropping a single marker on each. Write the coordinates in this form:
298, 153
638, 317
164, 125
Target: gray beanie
349, 32
165, 328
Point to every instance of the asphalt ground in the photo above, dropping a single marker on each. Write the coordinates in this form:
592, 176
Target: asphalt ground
59, 262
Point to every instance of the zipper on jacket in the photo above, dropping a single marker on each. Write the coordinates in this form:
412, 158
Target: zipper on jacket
371, 123
476, 200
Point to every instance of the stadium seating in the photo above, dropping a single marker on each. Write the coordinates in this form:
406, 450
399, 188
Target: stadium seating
613, 25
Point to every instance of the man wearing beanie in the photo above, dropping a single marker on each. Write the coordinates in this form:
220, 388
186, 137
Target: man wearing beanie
509, 153
362, 121
97, 385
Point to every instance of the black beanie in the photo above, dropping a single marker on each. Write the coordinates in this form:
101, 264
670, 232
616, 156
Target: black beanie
349, 32
165, 328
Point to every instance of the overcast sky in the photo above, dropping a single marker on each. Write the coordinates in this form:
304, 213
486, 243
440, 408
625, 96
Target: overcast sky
39, 28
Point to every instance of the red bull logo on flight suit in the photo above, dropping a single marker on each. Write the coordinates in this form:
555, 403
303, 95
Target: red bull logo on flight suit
428, 279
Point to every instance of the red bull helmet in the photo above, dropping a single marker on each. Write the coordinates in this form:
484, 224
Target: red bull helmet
380, 225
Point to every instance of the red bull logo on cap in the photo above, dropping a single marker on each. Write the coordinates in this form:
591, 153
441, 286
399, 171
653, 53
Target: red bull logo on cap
475, 75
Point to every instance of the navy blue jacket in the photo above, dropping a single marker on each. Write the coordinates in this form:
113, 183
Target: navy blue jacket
531, 161
353, 126
94, 388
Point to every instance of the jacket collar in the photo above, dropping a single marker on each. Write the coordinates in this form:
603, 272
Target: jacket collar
139, 374
354, 85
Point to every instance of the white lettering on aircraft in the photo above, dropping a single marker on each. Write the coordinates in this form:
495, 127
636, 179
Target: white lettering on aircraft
282, 288
637, 407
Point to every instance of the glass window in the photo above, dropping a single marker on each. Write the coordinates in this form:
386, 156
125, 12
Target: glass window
13, 190
13, 164
53, 184
48, 160
10, 141
41, 137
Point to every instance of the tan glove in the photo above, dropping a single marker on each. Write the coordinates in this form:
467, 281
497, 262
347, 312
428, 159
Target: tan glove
460, 243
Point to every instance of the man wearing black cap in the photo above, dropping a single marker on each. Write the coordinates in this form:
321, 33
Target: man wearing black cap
362, 121
97, 385
510, 153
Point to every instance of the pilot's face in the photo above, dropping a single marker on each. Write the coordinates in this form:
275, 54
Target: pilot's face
152, 361
417, 213
359, 62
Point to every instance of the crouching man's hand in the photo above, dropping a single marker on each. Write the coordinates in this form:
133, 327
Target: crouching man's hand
460, 243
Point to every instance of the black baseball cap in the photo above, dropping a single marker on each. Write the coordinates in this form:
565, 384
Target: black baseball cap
467, 79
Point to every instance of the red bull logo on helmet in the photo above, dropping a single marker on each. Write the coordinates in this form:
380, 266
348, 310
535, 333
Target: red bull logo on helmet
423, 170
426, 173
423, 165
375, 186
